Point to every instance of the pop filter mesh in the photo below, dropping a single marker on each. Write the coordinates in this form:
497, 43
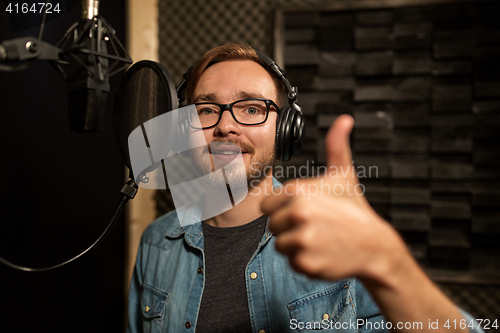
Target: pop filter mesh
145, 92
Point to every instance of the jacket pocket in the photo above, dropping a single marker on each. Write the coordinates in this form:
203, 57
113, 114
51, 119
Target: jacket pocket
320, 310
152, 302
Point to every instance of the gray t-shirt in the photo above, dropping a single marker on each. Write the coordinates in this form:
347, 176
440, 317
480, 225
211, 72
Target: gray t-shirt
224, 304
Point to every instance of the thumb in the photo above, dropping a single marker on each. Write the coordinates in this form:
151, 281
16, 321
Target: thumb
338, 151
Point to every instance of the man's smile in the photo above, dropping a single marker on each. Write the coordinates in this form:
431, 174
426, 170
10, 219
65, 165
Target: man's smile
225, 151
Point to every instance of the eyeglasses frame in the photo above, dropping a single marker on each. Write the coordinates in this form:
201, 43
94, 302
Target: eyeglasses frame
229, 107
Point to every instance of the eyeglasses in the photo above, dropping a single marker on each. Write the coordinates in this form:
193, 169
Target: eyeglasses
250, 111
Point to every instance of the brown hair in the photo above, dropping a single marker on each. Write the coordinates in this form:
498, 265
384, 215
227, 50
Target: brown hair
230, 51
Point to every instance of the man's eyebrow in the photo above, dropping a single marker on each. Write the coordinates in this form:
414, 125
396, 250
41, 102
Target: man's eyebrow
245, 95
204, 97
241, 95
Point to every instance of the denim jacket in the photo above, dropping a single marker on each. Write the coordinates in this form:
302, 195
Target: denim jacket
168, 279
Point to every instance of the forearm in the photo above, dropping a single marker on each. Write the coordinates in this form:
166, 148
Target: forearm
406, 295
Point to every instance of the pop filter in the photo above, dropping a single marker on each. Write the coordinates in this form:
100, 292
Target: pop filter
145, 92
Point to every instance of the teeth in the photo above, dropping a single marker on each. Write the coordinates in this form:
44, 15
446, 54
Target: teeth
225, 152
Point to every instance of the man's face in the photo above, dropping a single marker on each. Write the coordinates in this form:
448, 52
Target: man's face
226, 82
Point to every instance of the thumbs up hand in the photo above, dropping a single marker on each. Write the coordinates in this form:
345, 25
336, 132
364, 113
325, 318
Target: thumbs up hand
333, 235
329, 230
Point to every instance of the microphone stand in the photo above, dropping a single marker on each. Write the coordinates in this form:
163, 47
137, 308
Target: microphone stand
25, 50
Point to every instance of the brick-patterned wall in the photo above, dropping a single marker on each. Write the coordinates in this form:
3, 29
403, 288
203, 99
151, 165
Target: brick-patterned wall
479, 300
423, 84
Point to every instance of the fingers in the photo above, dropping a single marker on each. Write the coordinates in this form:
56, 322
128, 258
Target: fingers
288, 243
338, 151
288, 193
287, 218
298, 246
274, 202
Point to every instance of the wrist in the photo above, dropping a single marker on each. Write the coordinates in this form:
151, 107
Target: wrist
393, 265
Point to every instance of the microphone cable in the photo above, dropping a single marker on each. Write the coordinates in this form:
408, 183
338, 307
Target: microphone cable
128, 192
42, 24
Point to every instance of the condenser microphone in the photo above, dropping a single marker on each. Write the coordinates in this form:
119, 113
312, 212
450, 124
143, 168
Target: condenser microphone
86, 56
87, 75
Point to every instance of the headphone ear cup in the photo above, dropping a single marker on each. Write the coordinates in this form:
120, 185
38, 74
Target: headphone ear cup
299, 132
283, 132
290, 133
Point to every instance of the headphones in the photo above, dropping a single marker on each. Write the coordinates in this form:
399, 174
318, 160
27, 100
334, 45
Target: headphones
290, 125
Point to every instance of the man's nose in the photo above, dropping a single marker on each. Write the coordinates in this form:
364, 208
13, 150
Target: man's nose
227, 125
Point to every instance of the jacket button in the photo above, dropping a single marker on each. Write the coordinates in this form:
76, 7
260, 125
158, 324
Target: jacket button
253, 276
200, 270
147, 308
326, 316
188, 324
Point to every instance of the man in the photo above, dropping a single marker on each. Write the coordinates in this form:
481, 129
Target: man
224, 274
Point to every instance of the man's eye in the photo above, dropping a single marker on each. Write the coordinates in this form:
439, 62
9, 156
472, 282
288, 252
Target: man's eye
252, 111
207, 112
